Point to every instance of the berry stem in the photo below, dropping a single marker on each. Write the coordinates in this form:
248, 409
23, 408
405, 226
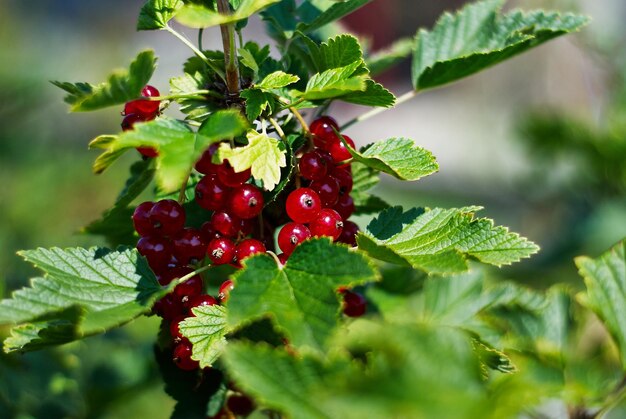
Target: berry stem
305, 126
196, 51
230, 51
278, 129
189, 276
367, 115
200, 32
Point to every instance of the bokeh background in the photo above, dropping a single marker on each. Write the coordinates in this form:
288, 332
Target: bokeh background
539, 141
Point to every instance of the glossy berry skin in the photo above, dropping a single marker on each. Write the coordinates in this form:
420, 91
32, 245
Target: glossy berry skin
189, 246
141, 219
167, 217
323, 132
199, 301
225, 224
240, 405
339, 151
344, 178
189, 288
175, 329
312, 166
130, 119
147, 152
225, 289
157, 250
205, 164
211, 194
344, 206
246, 202
291, 235
327, 189
303, 205
229, 177
348, 234
142, 106
328, 223
247, 248
182, 357
354, 304
221, 251
208, 232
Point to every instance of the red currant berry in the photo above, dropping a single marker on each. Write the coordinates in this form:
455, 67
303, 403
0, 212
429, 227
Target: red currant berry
168, 307
130, 119
312, 166
246, 202
240, 405
339, 151
141, 219
328, 223
327, 189
221, 251
344, 178
189, 246
148, 152
225, 224
175, 329
225, 289
182, 357
198, 301
247, 248
211, 194
205, 164
291, 235
354, 304
192, 286
229, 177
282, 258
323, 130
142, 106
303, 205
344, 206
167, 217
348, 234
157, 250
325, 155
209, 232
171, 274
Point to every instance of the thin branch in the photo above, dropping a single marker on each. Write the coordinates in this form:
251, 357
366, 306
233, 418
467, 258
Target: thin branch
230, 51
278, 129
196, 51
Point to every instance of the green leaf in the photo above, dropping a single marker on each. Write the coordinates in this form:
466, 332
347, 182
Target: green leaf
276, 80
197, 16
334, 83
478, 37
399, 157
384, 59
440, 240
387, 381
195, 108
263, 155
257, 102
365, 178
605, 278
83, 292
156, 13
114, 223
121, 86
301, 297
206, 331
339, 51
178, 146
335, 12
374, 94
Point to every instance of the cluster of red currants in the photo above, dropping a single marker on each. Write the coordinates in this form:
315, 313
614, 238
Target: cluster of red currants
234, 231
142, 110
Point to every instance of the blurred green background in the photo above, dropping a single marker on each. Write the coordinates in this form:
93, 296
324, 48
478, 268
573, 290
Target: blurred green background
539, 141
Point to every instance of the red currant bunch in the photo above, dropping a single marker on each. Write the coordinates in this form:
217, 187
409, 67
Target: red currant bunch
141, 110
